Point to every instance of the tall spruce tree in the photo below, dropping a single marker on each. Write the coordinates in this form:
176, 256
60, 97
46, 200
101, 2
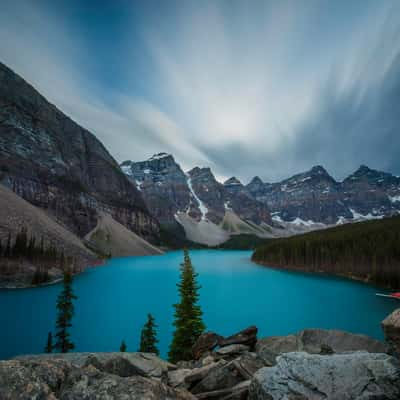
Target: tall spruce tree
188, 315
65, 309
148, 337
49, 344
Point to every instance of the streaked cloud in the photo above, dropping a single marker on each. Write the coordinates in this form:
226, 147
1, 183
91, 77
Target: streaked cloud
246, 87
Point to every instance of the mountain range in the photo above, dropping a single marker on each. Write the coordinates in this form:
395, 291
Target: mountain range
209, 210
61, 168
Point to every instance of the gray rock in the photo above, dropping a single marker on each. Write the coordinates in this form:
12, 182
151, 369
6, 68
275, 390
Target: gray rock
311, 340
198, 374
177, 378
391, 329
55, 378
315, 341
122, 364
223, 376
232, 350
302, 376
237, 392
89, 383
271, 347
248, 364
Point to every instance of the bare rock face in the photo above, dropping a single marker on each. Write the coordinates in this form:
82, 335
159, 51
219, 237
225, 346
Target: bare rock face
162, 183
57, 165
302, 376
316, 341
391, 329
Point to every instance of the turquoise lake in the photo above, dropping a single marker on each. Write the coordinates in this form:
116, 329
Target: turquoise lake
114, 300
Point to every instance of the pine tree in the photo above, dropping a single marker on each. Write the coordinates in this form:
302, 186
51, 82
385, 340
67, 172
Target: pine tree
65, 310
188, 315
148, 337
122, 348
49, 345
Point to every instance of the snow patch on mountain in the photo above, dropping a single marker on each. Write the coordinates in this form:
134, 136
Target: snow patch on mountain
204, 232
394, 199
358, 216
299, 221
202, 207
126, 169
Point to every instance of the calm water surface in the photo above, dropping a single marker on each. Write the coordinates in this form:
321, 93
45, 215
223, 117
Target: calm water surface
114, 300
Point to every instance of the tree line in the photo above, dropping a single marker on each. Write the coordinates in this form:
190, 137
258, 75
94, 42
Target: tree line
367, 250
188, 320
44, 255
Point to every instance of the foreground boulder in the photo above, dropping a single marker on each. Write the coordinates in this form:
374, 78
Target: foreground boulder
302, 376
317, 341
53, 378
391, 329
122, 364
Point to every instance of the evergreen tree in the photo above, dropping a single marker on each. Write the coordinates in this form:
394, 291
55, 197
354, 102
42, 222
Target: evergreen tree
122, 348
188, 315
148, 337
65, 309
49, 345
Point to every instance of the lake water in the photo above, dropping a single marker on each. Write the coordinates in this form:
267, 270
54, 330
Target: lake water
114, 300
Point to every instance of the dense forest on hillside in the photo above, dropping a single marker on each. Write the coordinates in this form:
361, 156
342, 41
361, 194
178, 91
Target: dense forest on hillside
367, 250
242, 242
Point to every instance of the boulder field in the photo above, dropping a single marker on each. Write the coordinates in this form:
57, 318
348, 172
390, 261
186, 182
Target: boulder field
311, 364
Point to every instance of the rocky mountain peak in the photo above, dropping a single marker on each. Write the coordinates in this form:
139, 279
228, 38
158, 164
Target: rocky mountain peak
160, 156
233, 181
318, 170
203, 174
256, 181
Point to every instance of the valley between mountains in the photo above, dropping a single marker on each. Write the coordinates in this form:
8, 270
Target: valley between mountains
64, 193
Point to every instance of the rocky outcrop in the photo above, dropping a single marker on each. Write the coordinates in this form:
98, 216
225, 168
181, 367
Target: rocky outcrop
57, 165
391, 329
112, 377
317, 341
313, 364
355, 376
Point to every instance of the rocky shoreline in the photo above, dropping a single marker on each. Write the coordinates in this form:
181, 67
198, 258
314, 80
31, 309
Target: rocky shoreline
311, 364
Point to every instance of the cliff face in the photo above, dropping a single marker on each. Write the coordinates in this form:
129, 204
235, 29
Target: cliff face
167, 190
163, 185
55, 164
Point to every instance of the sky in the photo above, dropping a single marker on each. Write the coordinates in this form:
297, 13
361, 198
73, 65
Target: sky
267, 88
